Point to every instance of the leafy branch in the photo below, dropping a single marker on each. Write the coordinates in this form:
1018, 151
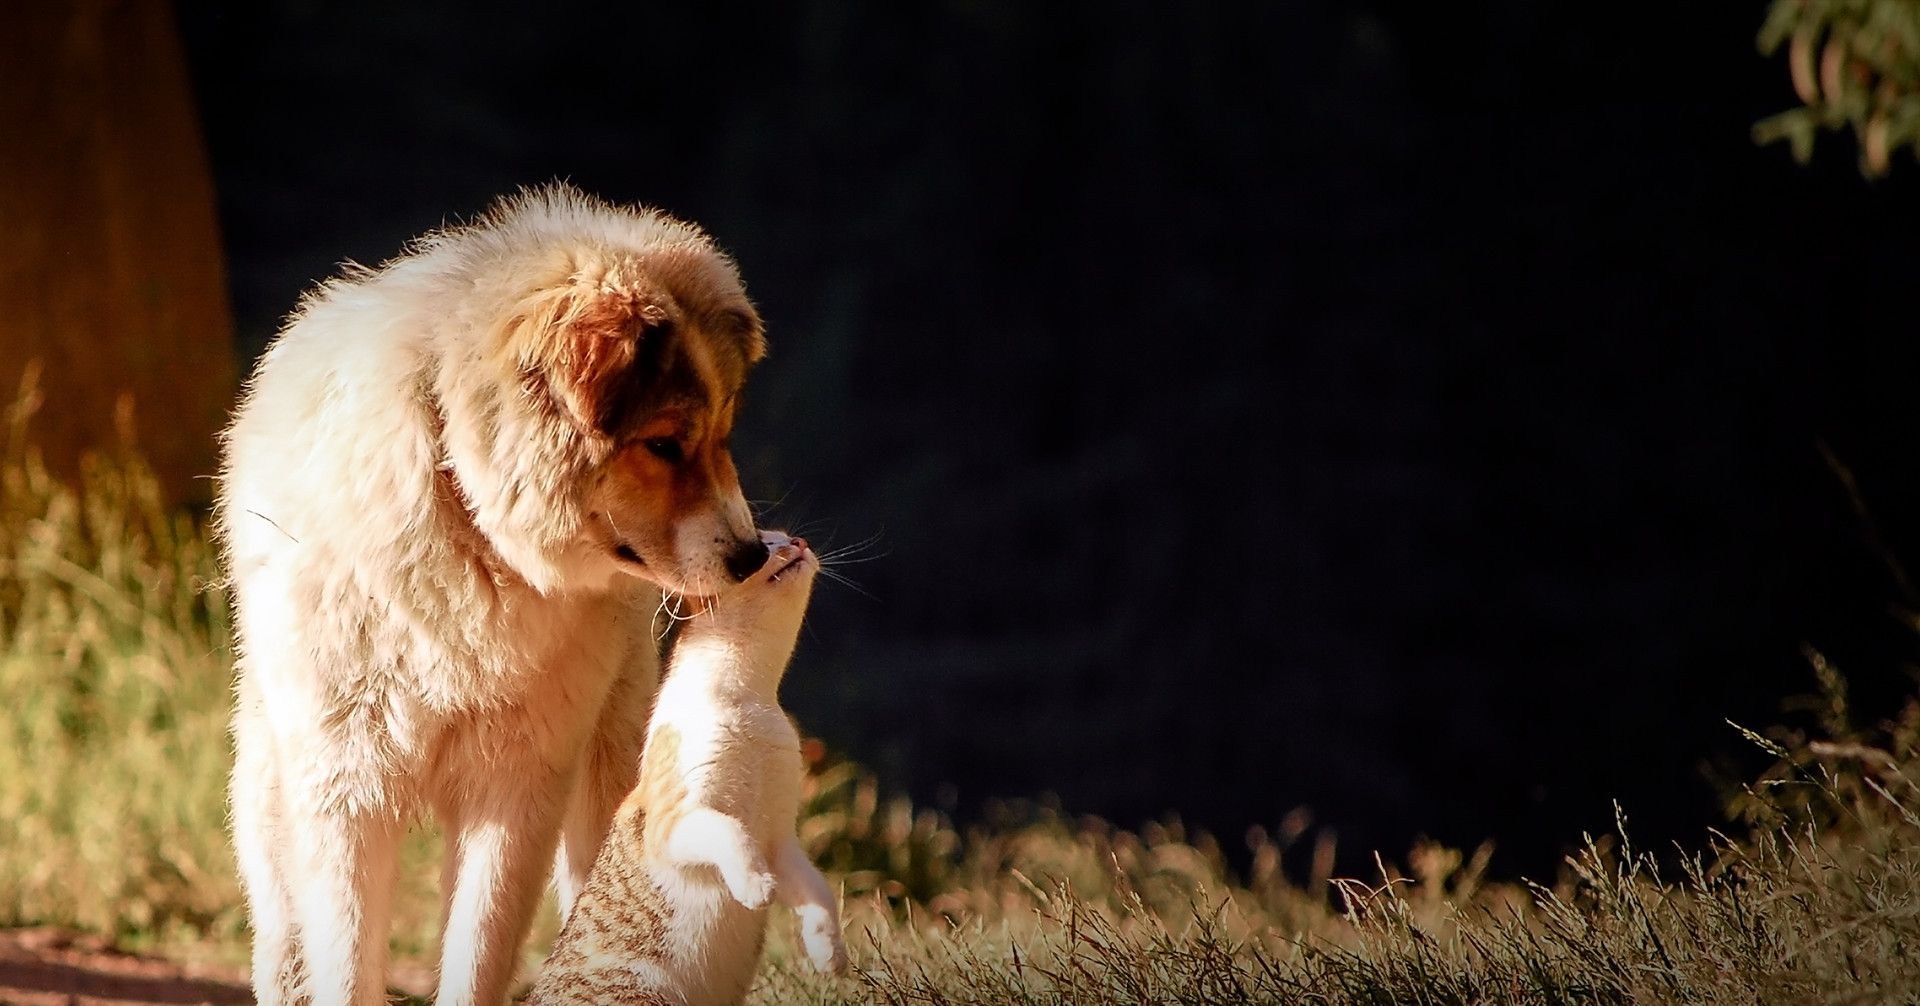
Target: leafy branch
1855, 64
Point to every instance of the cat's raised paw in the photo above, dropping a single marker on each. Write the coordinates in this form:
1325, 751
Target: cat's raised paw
826, 953
754, 890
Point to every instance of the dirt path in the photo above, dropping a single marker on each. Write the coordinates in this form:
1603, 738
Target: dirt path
61, 967
55, 967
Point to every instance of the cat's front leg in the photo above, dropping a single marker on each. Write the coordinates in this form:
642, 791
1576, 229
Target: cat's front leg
707, 837
804, 889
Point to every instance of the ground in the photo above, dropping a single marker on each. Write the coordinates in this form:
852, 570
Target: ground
61, 967
58, 967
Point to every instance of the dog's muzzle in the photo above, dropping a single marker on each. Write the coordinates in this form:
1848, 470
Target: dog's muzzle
746, 557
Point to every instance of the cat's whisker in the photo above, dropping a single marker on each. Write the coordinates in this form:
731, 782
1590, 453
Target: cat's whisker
760, 508
654, 626
845, 581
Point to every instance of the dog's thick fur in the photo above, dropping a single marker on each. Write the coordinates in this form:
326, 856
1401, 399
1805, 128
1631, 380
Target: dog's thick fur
453, 493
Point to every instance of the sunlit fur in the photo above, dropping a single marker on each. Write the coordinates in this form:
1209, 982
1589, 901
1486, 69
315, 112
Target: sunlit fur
675, 910
447, 535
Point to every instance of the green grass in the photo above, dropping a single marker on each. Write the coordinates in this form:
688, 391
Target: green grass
114, 662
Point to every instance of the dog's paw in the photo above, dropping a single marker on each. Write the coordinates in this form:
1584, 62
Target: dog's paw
754, 889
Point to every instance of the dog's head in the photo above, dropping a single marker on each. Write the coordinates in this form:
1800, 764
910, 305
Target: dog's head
617, 370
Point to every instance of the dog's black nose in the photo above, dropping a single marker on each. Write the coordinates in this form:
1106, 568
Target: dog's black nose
745, 558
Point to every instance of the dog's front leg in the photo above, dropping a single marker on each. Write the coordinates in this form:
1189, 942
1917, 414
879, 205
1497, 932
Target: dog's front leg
503, 839
341, 884
608, 771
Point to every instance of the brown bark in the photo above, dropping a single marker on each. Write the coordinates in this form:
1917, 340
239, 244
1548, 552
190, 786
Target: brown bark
111, 276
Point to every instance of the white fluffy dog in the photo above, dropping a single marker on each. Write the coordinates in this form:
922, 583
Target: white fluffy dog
454, 492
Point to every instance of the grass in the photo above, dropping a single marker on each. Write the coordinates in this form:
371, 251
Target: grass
1820, 903
114, 660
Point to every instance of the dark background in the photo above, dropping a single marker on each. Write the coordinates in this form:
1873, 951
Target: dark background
1409, 411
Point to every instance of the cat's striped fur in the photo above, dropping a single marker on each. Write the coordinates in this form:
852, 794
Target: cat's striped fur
674, 912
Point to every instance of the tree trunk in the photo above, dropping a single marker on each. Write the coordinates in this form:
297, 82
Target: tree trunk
111, 280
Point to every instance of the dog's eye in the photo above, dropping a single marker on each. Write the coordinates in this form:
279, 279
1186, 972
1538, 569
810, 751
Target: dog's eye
666, 449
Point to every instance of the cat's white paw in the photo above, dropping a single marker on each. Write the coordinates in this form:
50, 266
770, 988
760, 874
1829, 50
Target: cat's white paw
754, 889
825, 950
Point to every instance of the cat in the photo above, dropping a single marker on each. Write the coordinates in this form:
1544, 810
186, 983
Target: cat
674, 912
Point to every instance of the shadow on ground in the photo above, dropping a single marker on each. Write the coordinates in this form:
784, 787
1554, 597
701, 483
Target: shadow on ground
54, 967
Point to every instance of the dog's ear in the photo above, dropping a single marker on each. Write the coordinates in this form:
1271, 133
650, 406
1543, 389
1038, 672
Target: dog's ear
580, 338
